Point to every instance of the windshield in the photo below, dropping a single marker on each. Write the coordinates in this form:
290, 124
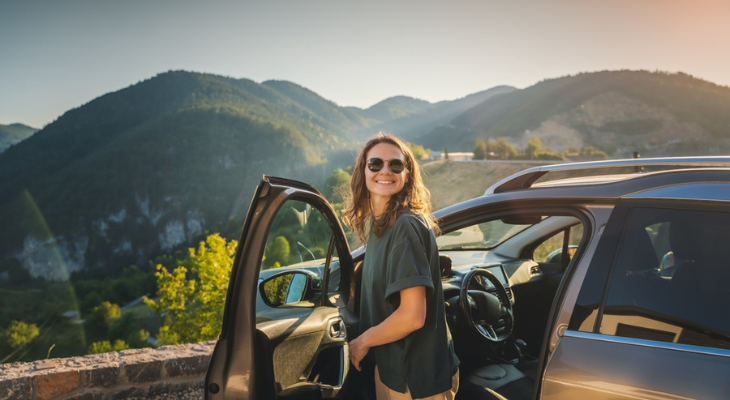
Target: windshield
486, 235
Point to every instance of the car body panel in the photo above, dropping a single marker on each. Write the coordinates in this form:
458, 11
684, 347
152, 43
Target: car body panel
593, 366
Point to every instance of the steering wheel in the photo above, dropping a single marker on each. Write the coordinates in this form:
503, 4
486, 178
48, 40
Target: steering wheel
484, 310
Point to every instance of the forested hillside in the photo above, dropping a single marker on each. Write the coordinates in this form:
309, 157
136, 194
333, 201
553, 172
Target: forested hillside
142, 170
654, 113
139, 172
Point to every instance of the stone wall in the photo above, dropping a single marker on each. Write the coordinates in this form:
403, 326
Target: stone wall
170, 372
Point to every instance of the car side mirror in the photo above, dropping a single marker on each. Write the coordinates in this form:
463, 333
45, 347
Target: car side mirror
290, 287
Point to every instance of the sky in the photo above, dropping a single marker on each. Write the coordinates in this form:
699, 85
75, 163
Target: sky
56, 55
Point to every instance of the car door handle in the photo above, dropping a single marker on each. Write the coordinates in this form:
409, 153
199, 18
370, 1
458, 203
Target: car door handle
337, 329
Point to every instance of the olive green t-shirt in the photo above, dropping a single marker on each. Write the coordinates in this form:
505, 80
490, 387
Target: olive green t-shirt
406, 256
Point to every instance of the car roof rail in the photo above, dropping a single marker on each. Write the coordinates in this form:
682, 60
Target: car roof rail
525, 179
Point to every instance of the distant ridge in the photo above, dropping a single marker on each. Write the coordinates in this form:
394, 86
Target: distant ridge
396, 107
412, 118
655, 113
14, 133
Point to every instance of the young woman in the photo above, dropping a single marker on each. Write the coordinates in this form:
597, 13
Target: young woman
402, 316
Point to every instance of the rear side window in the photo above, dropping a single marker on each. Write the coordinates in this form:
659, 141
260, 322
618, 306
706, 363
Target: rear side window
669, 280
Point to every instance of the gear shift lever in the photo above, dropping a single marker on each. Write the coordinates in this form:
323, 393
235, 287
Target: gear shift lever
516, 347
520, 346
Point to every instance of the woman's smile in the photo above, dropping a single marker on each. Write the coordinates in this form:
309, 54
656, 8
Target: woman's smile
384, 183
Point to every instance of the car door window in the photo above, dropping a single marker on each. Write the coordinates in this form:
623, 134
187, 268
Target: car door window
551, 250
297, 242
669, 279
299, 234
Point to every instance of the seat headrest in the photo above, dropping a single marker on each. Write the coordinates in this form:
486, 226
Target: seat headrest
683, 238
640, 254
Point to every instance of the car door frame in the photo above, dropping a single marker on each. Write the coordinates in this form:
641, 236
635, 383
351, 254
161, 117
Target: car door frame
231, 373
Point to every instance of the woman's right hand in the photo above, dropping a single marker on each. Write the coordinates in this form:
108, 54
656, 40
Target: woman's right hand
358, 351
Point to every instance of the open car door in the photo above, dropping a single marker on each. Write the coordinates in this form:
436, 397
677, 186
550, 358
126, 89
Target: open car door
285, 323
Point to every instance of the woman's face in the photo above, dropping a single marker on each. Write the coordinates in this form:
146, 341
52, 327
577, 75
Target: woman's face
383, 184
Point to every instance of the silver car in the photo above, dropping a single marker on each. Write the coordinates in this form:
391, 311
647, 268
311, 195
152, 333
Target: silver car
608, 282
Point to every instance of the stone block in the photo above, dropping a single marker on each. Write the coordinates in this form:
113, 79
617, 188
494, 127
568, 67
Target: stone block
187, 366
143, 372
105, 376
54, 384
15, 389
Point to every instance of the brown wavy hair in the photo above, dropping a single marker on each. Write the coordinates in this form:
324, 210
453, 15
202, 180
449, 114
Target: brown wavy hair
414, 197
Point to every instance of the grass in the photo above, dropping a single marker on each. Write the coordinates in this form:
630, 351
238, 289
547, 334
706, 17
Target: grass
452, 182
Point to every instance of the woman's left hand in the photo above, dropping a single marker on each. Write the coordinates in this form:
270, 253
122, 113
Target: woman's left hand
358, 351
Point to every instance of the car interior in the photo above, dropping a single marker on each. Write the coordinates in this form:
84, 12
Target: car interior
500, 274
524, 251
499, 279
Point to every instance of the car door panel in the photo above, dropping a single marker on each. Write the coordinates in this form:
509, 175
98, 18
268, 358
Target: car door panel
292, 351
664, 372
309, 349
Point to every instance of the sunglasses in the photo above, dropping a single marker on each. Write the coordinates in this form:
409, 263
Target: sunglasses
376, 164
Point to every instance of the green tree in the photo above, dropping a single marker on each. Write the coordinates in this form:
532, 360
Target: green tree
419, 152
193, 295
503, 149
336, 186
102, 318
19, 334
533, 147
277, 252
571, 151
106, 346
480, 150
128, 329
592, 152
109, 313
276, 288
138, 338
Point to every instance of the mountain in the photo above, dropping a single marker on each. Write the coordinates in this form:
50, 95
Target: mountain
14, 133
396, 107
143, 170
411, 120
148, 169
338, 118
654, 113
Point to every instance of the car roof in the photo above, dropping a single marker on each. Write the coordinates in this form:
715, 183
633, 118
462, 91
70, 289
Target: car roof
606, 171
611, 180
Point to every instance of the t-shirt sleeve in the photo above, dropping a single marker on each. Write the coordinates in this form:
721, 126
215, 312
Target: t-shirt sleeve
408, 262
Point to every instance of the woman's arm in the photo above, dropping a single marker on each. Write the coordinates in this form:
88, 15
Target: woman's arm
408, 317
